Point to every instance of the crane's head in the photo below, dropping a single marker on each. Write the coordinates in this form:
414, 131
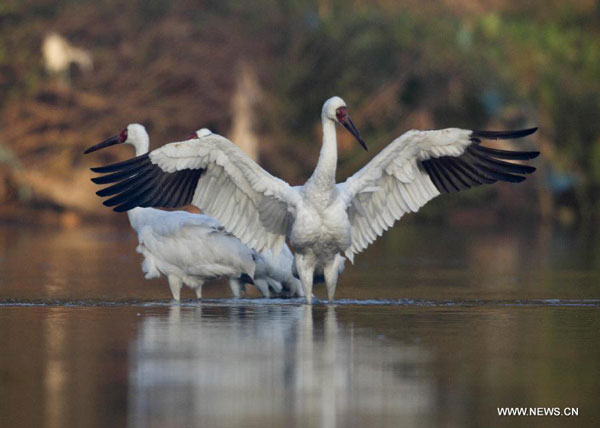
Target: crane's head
204, 132
199, 134
335, 109
135, 134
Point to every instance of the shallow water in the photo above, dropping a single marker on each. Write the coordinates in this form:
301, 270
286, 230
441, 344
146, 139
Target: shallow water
432, 327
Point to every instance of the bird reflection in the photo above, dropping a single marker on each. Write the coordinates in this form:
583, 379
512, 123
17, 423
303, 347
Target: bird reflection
212, 365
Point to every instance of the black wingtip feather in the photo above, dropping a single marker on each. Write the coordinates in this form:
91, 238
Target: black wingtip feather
503, 135
126, 173
140, 188
153, 188
480, 164
462, 181
503, 166
120, 165
504, 154
137, 182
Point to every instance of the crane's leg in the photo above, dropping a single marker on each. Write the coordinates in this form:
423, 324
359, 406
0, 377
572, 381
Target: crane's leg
198, 288
262, 286
296, 289
331, 272
275, 286
175, 285
306, 269
236, 287
195, 284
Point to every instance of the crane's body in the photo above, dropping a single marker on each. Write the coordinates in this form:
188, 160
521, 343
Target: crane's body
321, 232
322, 219
190, 249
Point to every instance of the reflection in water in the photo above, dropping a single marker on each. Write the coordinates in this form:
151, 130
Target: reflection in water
438, 336
288, 365
55, 372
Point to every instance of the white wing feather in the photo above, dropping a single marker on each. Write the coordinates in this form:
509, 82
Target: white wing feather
248, 201
393, 183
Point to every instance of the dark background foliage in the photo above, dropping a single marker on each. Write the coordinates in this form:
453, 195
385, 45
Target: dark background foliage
173, 65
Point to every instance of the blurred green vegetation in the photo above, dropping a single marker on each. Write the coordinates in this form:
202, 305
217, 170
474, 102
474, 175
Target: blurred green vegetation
399, 65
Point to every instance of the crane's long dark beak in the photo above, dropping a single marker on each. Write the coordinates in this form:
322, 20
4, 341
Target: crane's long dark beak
349, 125
106, 143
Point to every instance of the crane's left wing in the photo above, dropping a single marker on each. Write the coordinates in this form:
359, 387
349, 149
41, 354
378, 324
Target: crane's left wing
215, 175
418, 166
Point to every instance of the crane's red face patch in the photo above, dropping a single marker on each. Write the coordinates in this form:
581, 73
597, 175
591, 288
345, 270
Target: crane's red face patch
191, 136
123, 136
341, 114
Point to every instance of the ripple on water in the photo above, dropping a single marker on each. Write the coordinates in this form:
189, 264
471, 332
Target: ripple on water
298, 301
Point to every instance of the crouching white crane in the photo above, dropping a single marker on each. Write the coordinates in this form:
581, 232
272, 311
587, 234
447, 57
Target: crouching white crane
322, 219
192, 248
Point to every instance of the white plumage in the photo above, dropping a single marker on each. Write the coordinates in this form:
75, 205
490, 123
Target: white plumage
322, 219
393, 184
277, 272
192, 248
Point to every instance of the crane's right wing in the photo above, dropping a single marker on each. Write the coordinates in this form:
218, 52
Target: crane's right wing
420, 165
215, 175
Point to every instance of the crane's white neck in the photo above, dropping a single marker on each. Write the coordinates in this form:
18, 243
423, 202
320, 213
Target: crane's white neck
141, 145
324, 174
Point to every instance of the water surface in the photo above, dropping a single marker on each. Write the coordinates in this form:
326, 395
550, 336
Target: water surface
432, 327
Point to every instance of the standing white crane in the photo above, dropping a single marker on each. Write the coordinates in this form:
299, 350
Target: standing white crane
322, 219
192, 248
